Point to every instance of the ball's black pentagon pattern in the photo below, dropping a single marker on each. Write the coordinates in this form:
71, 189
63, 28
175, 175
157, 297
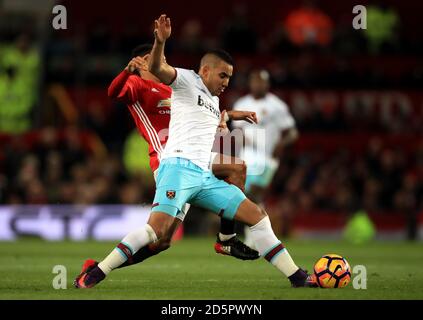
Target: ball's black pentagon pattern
338, 278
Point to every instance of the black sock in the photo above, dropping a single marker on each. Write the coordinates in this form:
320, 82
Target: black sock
298, 277
227, 226
139, 256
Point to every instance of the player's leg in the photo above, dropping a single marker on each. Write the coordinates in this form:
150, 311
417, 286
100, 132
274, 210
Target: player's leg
269, 246
232, 170
153, 248
158, 224
172, 193
257, 182
145, 252
229, 202
161, 245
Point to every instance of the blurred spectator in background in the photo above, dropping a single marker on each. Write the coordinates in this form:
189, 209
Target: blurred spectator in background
19, 73
382, 31
309, 26
276, 126
191, 39
237, 35
99, 38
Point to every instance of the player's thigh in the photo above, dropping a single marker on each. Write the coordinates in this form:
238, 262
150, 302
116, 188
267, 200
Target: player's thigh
224, 165
231, 169
220, 197
176, 184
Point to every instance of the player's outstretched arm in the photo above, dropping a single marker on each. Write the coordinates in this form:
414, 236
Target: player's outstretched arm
249, 116
158, 65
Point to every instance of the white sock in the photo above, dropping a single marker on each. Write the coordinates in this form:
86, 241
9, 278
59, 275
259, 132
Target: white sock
225, 237
271, 248
134, 241
248, 239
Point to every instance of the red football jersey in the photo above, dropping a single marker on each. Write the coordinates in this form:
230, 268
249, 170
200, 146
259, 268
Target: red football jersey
149, 104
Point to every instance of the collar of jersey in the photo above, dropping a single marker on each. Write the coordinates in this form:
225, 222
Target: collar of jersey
204, 86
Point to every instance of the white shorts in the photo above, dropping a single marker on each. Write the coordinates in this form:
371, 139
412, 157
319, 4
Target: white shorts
260, 168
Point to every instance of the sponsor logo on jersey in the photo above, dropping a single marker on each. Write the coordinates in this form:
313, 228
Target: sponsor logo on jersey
163, 103
154, 90
209, 106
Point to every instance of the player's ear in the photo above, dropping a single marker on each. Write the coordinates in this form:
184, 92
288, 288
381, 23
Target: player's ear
204, 70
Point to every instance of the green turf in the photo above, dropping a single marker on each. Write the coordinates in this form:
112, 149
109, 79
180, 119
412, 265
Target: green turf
191, 270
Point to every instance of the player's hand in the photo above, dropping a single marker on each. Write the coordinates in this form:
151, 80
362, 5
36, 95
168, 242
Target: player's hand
248, 116
162, 28
136, 64
223, 127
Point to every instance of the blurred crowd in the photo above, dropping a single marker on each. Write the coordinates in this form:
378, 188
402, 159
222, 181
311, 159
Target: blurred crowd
383, 179
308, 48
67, 170
305, 47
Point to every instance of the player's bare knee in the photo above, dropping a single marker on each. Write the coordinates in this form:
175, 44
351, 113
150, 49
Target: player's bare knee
161, 224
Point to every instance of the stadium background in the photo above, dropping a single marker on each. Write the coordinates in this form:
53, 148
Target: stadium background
71, 165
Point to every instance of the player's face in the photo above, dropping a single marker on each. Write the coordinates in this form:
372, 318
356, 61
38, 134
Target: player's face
217, 77
258, 85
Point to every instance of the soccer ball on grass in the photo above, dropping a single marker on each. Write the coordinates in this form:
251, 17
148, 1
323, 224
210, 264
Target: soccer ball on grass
332, 271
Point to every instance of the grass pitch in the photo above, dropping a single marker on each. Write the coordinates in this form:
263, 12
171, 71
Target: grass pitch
191, 270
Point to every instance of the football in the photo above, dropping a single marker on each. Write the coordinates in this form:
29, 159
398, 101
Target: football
332, 271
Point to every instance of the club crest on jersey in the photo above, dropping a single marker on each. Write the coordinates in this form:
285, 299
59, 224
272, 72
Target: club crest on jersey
170, 194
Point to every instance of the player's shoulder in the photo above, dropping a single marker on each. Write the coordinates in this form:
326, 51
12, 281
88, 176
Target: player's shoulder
184, 78
276, 101
153, 85
273, 97
187, 73
244, 99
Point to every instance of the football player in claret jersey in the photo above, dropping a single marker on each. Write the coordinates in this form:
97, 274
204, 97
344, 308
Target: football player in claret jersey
184, 175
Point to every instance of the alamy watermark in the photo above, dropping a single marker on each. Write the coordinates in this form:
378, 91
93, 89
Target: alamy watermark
360, 20
59, 281
359, 277
60, 20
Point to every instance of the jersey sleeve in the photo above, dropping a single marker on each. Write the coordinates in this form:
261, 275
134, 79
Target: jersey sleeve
286, 121
184, 78
126, 88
